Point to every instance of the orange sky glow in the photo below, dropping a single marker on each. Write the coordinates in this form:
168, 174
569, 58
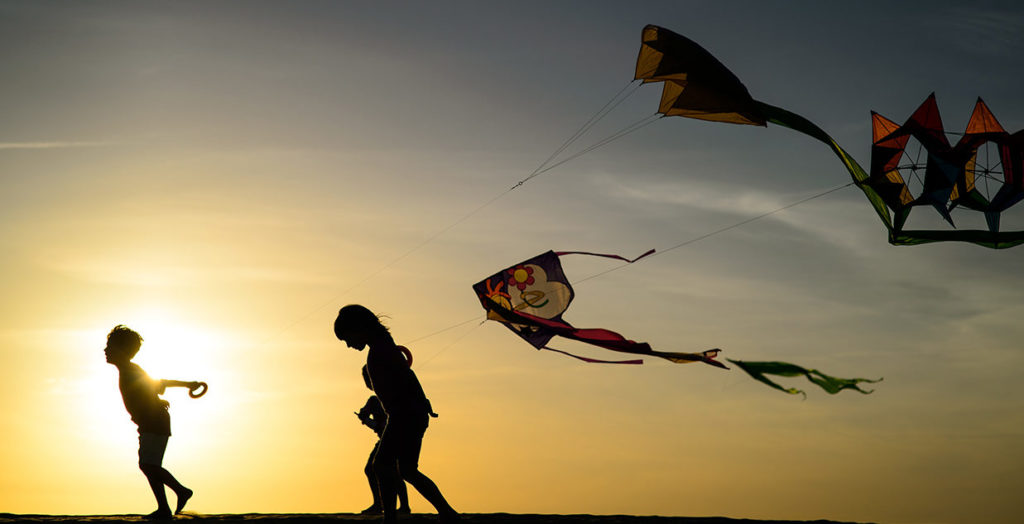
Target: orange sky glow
223, 178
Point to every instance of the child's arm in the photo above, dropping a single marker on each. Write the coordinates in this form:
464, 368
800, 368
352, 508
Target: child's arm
192, 386
165, 383
370, 413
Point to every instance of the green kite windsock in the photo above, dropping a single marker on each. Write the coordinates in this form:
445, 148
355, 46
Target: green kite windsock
696, 85
831, 384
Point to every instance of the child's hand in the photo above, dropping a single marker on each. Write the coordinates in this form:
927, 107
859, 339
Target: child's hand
196, 389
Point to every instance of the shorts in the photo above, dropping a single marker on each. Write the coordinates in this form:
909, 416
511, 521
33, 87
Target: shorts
151, 448
402, 440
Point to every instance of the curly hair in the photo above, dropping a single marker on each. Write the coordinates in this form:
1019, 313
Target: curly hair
124, 337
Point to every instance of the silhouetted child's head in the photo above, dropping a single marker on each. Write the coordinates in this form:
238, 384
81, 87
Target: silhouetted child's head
122, 344
357, 326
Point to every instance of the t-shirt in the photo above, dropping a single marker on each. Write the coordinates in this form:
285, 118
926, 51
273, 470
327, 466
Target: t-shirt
139, 393
395, 384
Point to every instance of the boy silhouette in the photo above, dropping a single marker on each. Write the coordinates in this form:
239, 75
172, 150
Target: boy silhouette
407, 408
141, 398
372, 415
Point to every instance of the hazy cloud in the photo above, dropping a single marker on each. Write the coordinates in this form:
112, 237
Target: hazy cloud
112, 272
51, 145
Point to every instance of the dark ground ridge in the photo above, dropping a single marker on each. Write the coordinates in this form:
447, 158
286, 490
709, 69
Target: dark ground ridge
422, 518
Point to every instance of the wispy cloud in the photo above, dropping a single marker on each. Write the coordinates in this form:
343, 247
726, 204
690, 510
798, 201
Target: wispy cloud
981, 29
743, 203
51, 145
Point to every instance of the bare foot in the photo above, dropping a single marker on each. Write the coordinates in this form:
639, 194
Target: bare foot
183, 497
160, 514
449, 517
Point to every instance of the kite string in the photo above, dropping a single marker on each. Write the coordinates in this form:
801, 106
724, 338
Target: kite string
614, 102
609, 106
724, 229
453, 342
758, 217
449, 328
540, 170
635, 126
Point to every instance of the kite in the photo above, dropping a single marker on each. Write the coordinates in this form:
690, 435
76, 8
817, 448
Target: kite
530, 297
697, 85
833, 385
953, 174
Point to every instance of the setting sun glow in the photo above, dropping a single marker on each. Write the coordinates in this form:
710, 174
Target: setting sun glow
222, 177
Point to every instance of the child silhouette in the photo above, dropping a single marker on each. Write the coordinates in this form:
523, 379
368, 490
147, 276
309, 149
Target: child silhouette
141, 398
407, 408
372, 415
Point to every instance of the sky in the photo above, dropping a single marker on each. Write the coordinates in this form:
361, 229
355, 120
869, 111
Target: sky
222, 177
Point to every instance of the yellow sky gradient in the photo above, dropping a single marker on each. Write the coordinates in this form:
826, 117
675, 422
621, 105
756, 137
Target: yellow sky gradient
223, 180
234, 299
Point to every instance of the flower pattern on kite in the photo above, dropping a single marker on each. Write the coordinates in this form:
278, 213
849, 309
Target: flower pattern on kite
697, 85
529, 298
831, 384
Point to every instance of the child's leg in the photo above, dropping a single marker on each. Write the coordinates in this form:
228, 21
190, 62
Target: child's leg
408, 469
182, 492
428, 489
374, 487
156, 483
386, 473
403, 494
151, 455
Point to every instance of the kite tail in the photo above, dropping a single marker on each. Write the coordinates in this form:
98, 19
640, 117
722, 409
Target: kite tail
782, 117
707, 357
616, 257
833, 385
594, 360
602, 338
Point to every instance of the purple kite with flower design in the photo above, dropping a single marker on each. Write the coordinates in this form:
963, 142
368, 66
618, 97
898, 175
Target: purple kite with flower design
530, 297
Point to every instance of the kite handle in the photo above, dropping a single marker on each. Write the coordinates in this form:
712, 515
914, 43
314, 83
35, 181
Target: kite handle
406, 354
201, 387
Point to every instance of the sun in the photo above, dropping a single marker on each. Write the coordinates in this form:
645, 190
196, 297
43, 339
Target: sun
171, 347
